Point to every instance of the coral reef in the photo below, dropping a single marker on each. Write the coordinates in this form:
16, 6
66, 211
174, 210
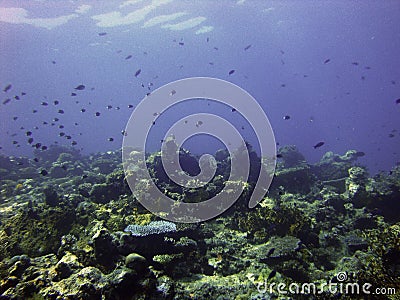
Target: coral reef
78, 233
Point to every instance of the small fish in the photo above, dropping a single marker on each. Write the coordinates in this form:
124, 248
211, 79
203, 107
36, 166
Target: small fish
36, 159
393, 82
354, 63
30, 140
83, 110
128, 57
68, 137
15, 142
130, 105
138, 72
34, 111
110, 139
327, 60
28, 133
44, 103
181, 43
391, 135
247, 47
60, 111
16, 97
6, 101
56, 102
270, 252
64, 167
38, 145
80, 87
208, 39
173, 92
397, 101
215, 48
102, 33
44, 172
283, 85
124, 133
97, 114
231, 72
45, 123
56, 119
109, 106
233, 109
73, 94
74, 143
279, 156
271, 275
319, 144
211, 63
15, 118
287, 117
23, 93
7, 88
53, 62
362, 77
44, 148
61, 134
61, 126
367, 68
199, 123
359, 154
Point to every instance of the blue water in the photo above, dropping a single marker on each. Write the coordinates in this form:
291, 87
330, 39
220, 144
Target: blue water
347, 102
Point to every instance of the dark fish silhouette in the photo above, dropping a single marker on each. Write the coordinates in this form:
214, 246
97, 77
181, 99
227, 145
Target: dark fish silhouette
97, 114
74, 143
231, 72
355, 63
287, 117
181, 43
327, 60
130, 105
44, 172
73, 94
83, 110
102, 33
359, 154
398, 101
128, 57
138, 72
270, 252
28, 133
247, 47
233, 109
319, 144
278, 156
7, 88
60, 111
44, 103
6, 101
53, 62
271, 275
80, 87
30, 140
110, 139
16, 97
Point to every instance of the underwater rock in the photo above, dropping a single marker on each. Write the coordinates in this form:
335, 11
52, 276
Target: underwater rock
105, 248
291, 157
66, 266
332, 169
355, 243
136, 262
51, 196
99, 193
